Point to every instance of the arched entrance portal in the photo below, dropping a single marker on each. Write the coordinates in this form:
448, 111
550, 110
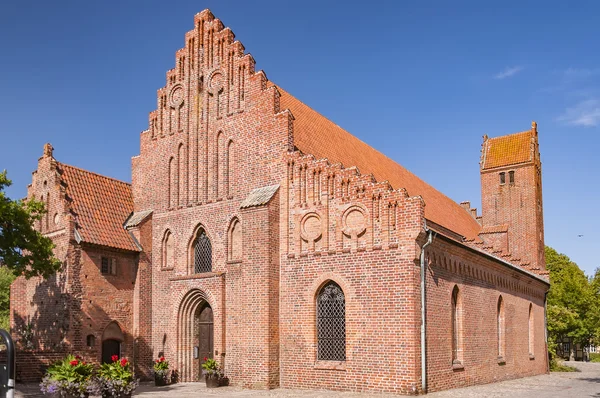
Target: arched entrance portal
195, 335
112, 337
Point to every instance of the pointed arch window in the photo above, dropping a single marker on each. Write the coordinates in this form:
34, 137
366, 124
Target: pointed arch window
530, 336
456, 327
331, 323
202, 253
501, 329
168, 257
234, 237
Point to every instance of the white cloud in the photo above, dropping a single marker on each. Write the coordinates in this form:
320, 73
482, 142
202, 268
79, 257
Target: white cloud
585, 113
508, 72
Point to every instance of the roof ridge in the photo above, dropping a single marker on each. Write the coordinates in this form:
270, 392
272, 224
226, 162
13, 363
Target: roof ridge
93, 172
315, 134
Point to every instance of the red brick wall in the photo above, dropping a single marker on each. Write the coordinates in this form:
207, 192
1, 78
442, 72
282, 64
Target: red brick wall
520, 206
345, 227
480, 281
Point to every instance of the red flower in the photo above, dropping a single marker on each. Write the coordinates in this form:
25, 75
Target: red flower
156, 361
162, 359
115, 358
123, 362
205, 359
74, 362
77, 357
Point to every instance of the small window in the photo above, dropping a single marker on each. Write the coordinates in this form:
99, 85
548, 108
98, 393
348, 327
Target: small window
531, 345
456, 327
109, 266
502, 178
511, 177
90, 340
501, 328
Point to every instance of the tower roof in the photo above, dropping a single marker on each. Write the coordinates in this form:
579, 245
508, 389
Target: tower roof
509, 149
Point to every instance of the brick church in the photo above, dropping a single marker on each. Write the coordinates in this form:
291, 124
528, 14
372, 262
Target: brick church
257, 232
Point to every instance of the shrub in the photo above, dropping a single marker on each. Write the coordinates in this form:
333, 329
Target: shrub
557, 365
594, 357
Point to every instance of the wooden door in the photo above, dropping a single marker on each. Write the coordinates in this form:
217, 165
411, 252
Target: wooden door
110, 348
205, 334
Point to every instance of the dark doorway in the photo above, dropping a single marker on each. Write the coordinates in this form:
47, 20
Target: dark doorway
110, 348
204, 326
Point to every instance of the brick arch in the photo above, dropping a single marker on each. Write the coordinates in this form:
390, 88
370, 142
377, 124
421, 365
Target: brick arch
188, 304
190, 245
352, 309
234, 252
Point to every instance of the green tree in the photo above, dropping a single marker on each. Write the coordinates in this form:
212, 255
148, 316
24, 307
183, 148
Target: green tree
572, 302
6, 278
23, 250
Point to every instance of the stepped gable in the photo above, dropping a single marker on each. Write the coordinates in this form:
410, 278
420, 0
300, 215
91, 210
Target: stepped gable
100, 206
317, 135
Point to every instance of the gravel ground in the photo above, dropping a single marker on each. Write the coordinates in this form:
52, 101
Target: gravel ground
585, 383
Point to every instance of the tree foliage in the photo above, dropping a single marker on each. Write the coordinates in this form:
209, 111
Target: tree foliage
573, 302
24, 250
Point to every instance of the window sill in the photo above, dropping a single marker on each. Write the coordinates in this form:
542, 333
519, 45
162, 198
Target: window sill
204, 275
234, 261
531, 357
457, 365
501, 361
330, 365
167, 269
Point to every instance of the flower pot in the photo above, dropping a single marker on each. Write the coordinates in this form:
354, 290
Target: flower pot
160, 380
212, 381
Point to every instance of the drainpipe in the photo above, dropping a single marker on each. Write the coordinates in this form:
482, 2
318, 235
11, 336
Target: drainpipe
546, 331
423, 348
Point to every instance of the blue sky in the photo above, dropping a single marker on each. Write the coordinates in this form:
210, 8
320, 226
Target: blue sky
421, 81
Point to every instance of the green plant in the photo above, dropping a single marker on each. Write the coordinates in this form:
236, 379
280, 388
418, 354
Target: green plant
161, 365
161, 368
594, 357
210, 366
72, 376
116, 378
557, 365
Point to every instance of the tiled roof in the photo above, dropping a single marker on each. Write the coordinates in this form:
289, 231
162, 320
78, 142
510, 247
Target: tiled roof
101, 205
259, 196
494, 229
507, 150
316, 135
136, 218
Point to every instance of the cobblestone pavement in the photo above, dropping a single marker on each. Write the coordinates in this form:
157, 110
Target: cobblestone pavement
585, 383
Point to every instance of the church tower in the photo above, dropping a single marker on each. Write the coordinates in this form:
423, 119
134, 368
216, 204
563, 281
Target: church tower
511, 194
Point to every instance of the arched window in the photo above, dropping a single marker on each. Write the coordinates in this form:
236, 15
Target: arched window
500, 324
531, 330
90, 340
202, 253
331, 323
456, 327
234, 236
168, 252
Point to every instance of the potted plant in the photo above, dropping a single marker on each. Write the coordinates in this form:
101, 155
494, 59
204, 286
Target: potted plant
69, 378
116, 379
161, 371
212, 372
